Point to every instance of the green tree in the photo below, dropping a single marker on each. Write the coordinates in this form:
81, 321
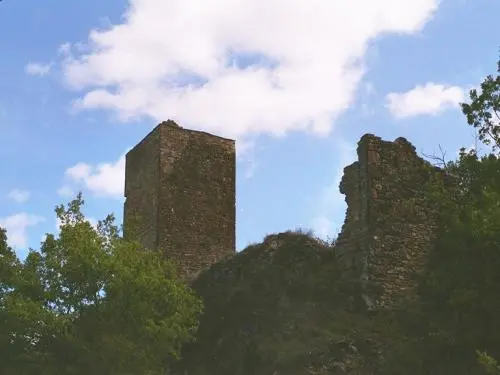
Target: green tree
490, 365
91, 302
460, 288
483, 111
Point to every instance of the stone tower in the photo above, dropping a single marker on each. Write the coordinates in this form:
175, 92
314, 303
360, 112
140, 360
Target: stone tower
391, 224
180, 196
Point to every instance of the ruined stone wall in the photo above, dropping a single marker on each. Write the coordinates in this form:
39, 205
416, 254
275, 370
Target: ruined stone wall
194, 188
141, 191
391, 224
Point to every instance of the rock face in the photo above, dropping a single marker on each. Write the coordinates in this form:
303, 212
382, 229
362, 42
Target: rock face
180, 196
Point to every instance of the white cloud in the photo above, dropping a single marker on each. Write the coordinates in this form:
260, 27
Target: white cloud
251, 166
106, 179
64, 49
179, 59
430, 99
93, 221
366, 93
58, 224
244, 148
331, 206
79, 171
18, 195
369, 89
17, 225
65, 191
322, 227
37, 69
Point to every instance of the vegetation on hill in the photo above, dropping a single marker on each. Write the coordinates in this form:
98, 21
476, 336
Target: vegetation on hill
460, 288
281, 307
459, 302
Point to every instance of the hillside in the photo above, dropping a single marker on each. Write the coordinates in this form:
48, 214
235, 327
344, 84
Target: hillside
294, 305
280, 307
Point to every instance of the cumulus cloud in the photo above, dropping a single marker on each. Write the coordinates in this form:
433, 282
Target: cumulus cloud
17, 226
251, 166
65, 191
322, 226
37, 69
430, 99
18, 195
330, 204
105, 180
93, 221
236, 67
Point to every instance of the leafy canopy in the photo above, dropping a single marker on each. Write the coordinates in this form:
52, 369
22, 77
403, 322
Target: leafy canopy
90, 302
483, 111
460, 289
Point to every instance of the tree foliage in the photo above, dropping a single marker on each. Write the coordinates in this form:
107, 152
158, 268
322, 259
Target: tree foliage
90, 302
460, 287
483, 111
490, 364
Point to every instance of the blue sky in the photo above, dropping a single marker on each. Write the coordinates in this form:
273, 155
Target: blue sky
296, 83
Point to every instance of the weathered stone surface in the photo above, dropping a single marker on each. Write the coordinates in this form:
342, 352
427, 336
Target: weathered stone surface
390, 224
180, 196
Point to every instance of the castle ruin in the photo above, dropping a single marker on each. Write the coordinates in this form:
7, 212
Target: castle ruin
180, 196
181, 185
391, 224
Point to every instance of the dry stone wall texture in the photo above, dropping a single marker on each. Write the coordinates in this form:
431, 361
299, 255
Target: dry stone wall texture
180, 196
391, 224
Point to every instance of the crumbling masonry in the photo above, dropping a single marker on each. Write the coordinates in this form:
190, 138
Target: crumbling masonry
391, 224
180, 198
